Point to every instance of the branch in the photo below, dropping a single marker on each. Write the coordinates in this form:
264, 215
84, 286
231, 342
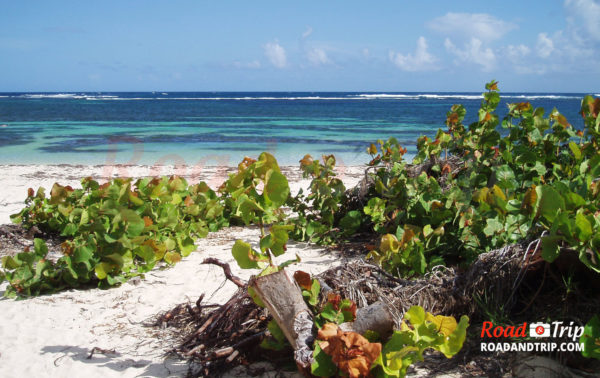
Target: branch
226, 269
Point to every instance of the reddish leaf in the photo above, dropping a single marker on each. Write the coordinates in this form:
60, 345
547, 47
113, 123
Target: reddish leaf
245, 163
335, 300
303, 279
306, 161
350, 352
523, 106
446, 169
452, 119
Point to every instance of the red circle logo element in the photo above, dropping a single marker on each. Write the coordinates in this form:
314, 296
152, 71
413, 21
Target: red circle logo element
539, 330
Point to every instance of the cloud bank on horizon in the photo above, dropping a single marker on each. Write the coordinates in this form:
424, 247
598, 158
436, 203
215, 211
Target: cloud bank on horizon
336, 46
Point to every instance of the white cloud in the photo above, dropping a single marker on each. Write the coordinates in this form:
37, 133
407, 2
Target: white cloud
586, 15
276, 54
473, 52
421, 60
317, 57
366, 53
517, 53
308, 32
544, 46
521, 58
466, 26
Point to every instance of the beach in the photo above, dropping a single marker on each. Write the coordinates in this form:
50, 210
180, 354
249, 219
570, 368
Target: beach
55, 335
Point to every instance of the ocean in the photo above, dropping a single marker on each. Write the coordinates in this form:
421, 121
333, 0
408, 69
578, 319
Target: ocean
218, 128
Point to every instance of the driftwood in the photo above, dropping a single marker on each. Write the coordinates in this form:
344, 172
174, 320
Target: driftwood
375, 317
283, 298
226, 269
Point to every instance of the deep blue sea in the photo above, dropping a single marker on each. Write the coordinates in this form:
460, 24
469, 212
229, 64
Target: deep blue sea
218, 128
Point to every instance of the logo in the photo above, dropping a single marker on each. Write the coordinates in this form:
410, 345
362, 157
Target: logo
539, 330
517, 335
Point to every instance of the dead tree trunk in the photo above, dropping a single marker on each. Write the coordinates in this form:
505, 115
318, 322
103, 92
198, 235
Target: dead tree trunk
283, 298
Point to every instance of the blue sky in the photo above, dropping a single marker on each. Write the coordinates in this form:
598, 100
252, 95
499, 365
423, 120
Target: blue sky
534, 46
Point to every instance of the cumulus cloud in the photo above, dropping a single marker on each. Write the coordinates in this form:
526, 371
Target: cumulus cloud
420, 60
466, 26
544, 46
517, 53
473, 52
521, 58
585, 14
317, 57
275, 53
577, 46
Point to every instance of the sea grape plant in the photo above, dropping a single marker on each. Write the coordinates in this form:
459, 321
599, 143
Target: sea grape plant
241, 191
339, 353
347, 353
255, 194
423, 331
318, 213
515, 178
114, 231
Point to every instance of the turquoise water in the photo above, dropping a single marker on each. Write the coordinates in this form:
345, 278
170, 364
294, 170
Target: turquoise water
222, 128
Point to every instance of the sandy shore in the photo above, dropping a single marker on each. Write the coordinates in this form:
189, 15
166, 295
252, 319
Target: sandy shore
52, 336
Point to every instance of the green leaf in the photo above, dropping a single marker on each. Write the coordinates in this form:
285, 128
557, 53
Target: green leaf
102, 269
134, 224
351, 222
313, 294
277, 189
85, 217
246, 257
454, 342
248, 209
40, 248
493, 226
277, 341
594, 164
8, 262
550, 247
69, 230
276, 332
549, 202
186, 246
583, 228
83, 254
591, 338
415, 315
505, 177
322, 366
575, 150
255, 297
573, 200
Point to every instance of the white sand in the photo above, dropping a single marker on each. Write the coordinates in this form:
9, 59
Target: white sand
52, 336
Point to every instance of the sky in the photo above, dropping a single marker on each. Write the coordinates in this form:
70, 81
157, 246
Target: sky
345, 45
